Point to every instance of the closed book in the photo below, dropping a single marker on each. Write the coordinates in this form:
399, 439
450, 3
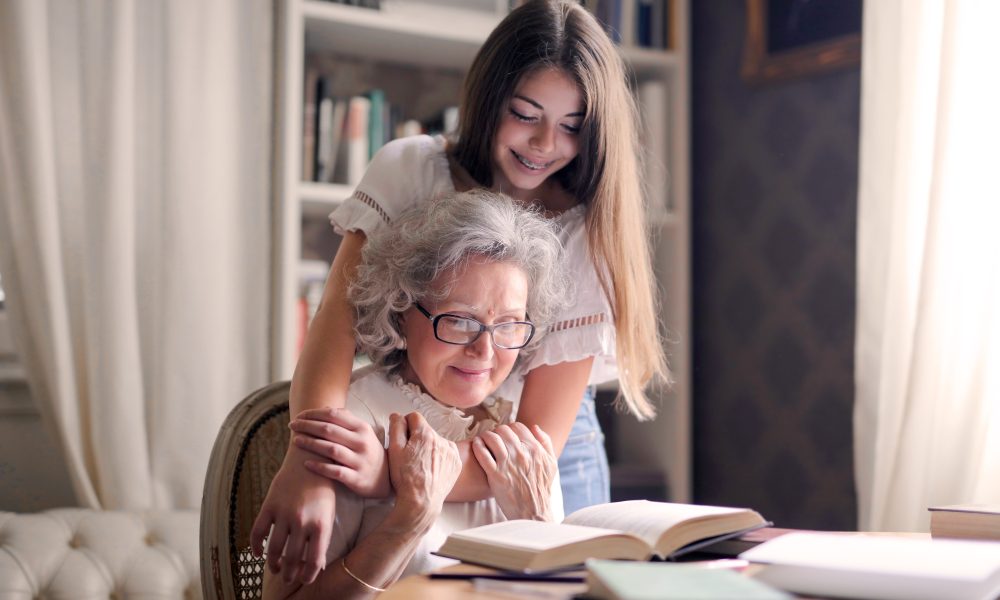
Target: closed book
633, 530
879, 567
309, 116
626, 580
356, 139
376, 121
330, 124
970, 521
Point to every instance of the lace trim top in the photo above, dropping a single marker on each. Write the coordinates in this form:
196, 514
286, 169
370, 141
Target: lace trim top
450, 422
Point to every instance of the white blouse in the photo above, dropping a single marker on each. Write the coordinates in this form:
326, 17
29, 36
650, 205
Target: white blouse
409, 171
372, 396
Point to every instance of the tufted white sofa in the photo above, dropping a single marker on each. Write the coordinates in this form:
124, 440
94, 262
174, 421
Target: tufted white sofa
82, 554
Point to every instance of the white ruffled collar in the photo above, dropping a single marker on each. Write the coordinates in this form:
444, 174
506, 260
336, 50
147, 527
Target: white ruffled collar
450, 422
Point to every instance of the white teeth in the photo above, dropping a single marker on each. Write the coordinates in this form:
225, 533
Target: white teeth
529, 164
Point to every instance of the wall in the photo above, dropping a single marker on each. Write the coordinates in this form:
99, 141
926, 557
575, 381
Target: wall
774, 185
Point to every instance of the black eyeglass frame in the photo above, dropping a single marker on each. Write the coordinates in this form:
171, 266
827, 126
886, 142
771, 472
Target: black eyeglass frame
434, 319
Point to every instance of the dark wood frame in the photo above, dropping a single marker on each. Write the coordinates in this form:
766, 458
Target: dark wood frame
760, 66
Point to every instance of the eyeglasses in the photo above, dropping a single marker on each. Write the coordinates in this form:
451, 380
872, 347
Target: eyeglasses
462, 331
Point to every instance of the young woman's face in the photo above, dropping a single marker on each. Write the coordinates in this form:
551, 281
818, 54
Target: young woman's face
538, 133
463, 376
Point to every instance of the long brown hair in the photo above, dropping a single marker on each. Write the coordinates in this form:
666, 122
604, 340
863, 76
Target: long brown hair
604, 176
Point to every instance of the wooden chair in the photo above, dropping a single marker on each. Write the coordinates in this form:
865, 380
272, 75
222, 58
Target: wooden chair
247, 454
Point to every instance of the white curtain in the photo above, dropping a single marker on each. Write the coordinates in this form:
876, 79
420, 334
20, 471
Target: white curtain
134, 186
927, 366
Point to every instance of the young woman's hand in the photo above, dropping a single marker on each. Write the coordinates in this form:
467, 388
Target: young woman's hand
423, 467
300, 506
520, 465
352, 454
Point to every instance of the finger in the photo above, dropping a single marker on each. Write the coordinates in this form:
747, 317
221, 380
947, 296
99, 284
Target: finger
544, 439
415, 421
331, 471
275, 546
315, 555
338, 416
294, 551
329, 450
510, 438
497, 446
397, 431
522, 432
483, 456
325, 431
261, 527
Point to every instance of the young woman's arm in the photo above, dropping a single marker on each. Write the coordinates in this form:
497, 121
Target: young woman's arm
551, 399
299, 507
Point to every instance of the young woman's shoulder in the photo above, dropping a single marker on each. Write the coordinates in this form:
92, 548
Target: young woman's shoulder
402, 174
411, 148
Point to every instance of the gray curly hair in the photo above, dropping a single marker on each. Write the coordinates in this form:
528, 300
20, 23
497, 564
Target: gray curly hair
399, 263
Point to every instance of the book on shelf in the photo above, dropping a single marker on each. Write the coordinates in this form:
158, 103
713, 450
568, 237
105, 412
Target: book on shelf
356, 139
628, 580
879, 567
634, 530
309, 117
378, 111
329, 133
970, 521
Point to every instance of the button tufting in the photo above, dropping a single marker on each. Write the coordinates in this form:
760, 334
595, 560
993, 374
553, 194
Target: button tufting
74, 542
150, 539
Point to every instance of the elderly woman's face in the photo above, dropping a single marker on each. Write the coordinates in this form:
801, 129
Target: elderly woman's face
463, 376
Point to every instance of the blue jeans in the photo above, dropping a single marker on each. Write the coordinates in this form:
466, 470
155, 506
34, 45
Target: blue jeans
583, 465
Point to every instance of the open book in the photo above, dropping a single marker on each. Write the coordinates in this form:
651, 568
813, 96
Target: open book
636, 530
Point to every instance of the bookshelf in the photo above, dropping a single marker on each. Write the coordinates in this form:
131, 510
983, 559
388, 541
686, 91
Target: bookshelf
443, 36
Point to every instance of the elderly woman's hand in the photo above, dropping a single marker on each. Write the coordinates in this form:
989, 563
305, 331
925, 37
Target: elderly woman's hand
423, 467
520, 465
353, 454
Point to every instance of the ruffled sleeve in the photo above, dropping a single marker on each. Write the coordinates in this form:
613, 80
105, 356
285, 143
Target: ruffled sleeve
403, 173
586, 327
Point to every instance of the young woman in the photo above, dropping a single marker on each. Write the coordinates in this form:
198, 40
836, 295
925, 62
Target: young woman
547, 117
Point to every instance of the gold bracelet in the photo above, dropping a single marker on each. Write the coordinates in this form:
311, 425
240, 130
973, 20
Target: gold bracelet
343, 563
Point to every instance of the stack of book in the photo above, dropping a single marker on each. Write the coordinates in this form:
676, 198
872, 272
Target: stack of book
340, 134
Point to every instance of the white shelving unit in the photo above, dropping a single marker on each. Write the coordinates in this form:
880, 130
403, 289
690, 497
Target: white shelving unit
446, 35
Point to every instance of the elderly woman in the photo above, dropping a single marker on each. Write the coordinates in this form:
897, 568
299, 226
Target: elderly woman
446, 298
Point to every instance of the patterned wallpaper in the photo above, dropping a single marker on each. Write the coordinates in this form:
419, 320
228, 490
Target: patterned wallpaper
774, 184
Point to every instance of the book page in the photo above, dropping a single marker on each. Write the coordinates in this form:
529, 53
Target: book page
642, 518
531, 535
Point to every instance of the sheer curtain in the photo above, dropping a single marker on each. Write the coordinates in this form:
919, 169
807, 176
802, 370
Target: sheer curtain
927, 413
134, 194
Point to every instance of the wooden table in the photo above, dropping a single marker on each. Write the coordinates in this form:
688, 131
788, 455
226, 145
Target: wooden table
422, 587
